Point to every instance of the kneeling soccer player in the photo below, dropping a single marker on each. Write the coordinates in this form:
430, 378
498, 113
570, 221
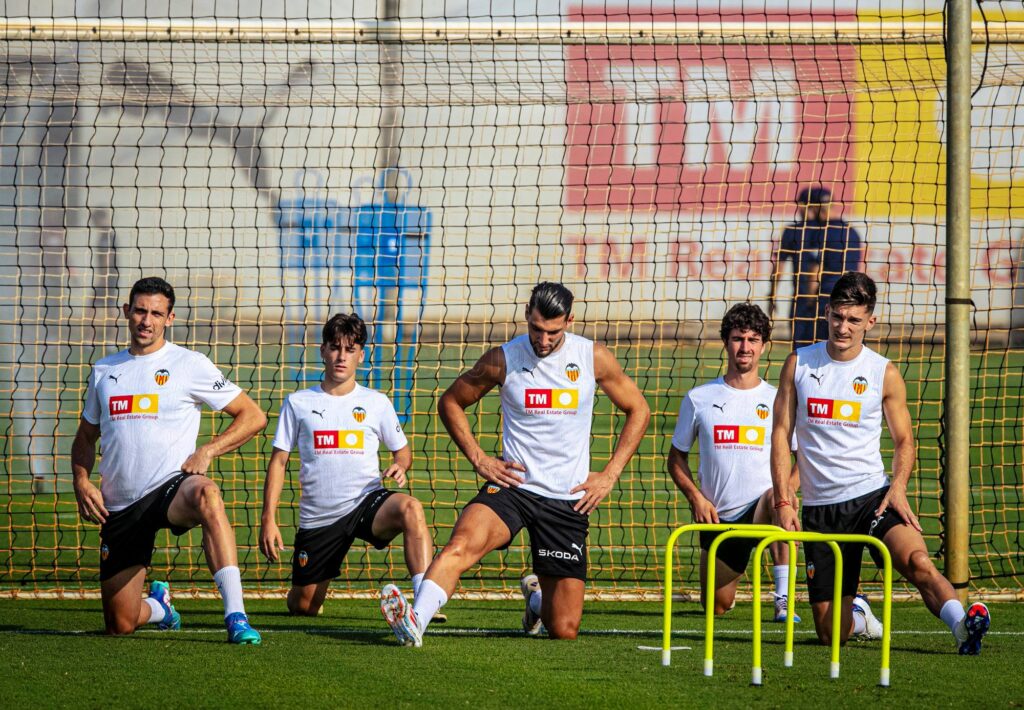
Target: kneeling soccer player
542, 482
338, 427
834, 395
145, 402
731, 417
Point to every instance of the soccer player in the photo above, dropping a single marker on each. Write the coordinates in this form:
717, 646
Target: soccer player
338, 427
834, 395
542, 480
731, 417
143, 404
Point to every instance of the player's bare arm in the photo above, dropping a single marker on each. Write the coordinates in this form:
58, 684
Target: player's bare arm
83, 458
897, 417
400, 464
270, 535
248, 420
783, 420
467, 390
625, 395
679, 468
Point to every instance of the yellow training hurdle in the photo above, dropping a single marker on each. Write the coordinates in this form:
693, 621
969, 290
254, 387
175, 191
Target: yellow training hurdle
769, 534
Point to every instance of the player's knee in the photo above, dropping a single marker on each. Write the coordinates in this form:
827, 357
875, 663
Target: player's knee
564, 630
208, 501
920, 567
122, 626
303, 607
723, 608
411, 511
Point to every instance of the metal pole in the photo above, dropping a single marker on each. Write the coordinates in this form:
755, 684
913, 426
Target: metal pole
957, 409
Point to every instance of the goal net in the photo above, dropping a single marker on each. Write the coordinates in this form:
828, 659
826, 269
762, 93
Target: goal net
426, 168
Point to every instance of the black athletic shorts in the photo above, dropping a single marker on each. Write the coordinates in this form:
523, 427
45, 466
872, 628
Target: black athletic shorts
855, 517
735, 553
320, 551
558, 534
127, 538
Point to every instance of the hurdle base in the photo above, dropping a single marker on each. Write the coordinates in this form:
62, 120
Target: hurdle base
709, 667
666, 657
884, 680
755, 677
787, 659
833, 670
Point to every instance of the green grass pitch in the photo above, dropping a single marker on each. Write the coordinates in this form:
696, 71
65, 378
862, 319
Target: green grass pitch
53, 655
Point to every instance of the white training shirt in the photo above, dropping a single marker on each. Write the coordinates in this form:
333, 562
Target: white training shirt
734, 428
547, 406
148, 410
839, 424
338, 438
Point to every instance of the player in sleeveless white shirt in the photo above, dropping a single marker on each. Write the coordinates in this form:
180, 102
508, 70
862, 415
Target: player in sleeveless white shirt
338, 427
834, 395
542, 480
730, 416
144, 405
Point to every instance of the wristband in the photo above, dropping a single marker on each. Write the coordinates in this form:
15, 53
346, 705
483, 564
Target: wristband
782, 504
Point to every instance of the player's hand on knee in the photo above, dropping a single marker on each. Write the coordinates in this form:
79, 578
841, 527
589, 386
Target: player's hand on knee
198, 462
396, 472
786, 518
503, 473
90, 502
598, 485
704, 511
896, 501
270, 541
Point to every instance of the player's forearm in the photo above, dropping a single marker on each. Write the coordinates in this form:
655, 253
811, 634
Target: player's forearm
903, 460
83, 457
242, 428
782, 467
679, 470
272, 488
403, 457
637, 419
454, 418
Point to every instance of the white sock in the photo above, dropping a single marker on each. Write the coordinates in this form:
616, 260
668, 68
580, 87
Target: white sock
417, 580
860, 623
156, 612
781, 575
229, 584
535, 600
952, 613
430, 598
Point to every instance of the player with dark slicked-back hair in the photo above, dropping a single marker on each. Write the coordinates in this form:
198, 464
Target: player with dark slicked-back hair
338, 427
730, 417
833, 397
542, 480
145, 402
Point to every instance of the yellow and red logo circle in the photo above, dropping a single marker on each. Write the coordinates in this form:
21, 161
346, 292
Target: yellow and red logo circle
161, 377
493, 488
572, 371
762, 411
359, 414
303, 558
104, 552
860, 385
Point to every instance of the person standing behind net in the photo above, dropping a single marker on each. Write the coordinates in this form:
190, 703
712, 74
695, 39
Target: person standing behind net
731, 418
822, 247
542, 480
338, 427
834, 395
145, 403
